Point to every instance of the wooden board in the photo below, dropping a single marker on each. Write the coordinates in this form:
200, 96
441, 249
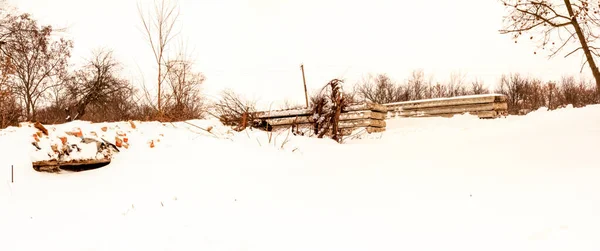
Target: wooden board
451, 109
366, 107
283, 113
442, 102
348, 131
361, 123
343, 117
480, 114
307, 112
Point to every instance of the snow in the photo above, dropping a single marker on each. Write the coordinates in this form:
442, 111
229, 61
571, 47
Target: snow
462, 183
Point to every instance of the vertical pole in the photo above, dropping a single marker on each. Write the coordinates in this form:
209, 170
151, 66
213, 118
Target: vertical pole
304, 80
12, 174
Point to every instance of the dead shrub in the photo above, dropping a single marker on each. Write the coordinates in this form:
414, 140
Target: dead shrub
327, 106
233, 110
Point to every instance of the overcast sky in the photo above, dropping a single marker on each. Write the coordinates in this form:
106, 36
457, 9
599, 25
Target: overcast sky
257, 46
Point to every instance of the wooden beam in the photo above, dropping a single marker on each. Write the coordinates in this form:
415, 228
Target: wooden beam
441, 102
480, 114
451, 109
343, 117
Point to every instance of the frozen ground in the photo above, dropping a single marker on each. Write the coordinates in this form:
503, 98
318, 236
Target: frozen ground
516, 183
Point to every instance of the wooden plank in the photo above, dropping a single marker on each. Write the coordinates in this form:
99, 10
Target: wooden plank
370, 129
343, 117
361, 123
283, 113
362, 115
307, 112
289, 120
453, 109
366, 107
441, 102
480, 114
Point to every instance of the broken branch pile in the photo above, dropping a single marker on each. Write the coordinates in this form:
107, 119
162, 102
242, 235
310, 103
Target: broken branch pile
483, 106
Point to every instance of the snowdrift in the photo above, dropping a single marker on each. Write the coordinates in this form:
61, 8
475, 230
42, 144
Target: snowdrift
515, 183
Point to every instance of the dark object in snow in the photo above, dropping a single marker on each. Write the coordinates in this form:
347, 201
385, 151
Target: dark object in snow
109, 145
54, 166
36, 145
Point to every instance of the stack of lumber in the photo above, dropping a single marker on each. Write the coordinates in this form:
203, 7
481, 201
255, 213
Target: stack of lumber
366, 115
484, 106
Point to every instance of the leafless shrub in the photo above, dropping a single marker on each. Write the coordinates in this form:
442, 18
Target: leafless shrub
233, 110
9, 108
327, 106
527, 94
477, 87
97, 86
183, 97
379, 89
417, 86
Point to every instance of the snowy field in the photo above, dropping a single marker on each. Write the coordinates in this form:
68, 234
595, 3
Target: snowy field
517, 183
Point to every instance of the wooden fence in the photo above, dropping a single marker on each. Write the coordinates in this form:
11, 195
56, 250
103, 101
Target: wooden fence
484, 106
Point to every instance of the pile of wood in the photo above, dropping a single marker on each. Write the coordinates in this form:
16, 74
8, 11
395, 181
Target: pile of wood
484, 106
367, 115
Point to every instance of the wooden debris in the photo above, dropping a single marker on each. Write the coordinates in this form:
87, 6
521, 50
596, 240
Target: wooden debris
40, 127
118, 141
132, 124
55, 166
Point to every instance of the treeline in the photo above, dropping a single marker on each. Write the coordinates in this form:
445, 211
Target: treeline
524, 94
38, 84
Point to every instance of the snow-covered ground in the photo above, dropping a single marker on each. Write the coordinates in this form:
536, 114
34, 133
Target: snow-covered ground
516, 183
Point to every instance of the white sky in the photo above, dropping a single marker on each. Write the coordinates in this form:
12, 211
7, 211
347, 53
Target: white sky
257, 46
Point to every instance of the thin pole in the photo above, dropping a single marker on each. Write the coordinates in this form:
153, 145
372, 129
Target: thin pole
304, 80
12, 174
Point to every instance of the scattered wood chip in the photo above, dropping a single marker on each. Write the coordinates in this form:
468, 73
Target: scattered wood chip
104, 128
40, 127
118, 142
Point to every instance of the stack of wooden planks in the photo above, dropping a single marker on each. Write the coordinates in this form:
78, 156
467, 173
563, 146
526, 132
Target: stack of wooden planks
484, 106
366, 115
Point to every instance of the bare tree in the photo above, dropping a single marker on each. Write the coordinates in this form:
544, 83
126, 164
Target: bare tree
557, 23
477, 87
35, 58
379, 89
9, 108
184, 100
456, 85
96, 84
418, 85
159, 24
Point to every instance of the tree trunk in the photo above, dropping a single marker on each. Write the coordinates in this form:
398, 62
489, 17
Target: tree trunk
159, 84
584, 45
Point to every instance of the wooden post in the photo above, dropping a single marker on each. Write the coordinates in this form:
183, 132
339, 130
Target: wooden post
304, 81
